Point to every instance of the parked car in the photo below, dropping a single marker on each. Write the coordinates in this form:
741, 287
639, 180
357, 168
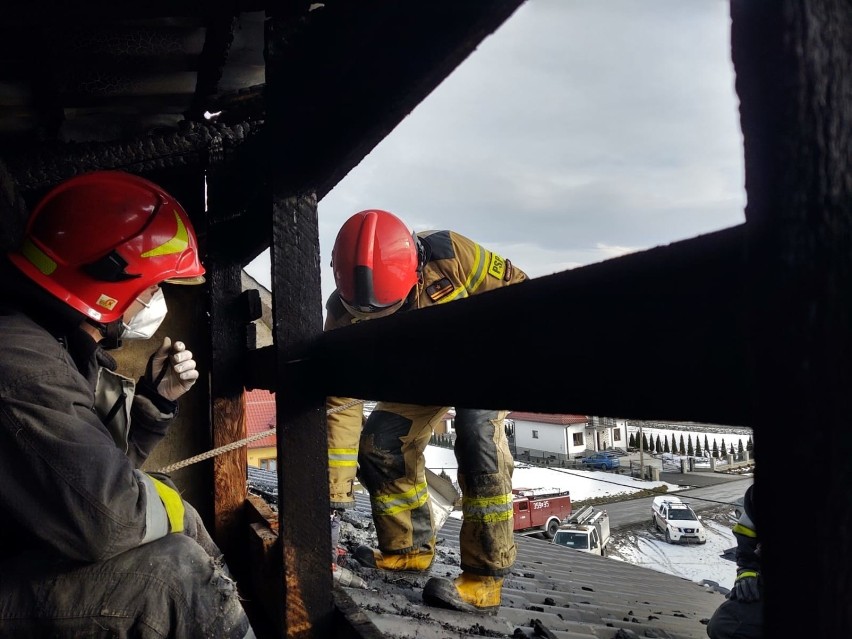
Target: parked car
677, 520
604, 461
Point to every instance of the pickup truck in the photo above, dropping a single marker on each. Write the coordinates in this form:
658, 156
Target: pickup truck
604, 461
678, 520
586, 530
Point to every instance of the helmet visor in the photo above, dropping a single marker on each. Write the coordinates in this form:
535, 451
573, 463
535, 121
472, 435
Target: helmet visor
186, 281
370, 311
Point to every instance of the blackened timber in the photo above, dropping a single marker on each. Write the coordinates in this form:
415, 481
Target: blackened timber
659, 334
303, 506
307, 609
228, 411
360, 68
793, 65
217, 43
187, 148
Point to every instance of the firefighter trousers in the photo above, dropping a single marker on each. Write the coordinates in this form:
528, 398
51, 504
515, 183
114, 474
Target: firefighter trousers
392, 469
173, 587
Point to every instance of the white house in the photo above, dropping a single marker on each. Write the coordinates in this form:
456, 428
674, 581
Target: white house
567, 436
538, 433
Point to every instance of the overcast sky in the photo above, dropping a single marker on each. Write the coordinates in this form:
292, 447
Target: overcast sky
580, 130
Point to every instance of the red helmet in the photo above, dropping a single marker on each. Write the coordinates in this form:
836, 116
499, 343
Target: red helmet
98, 240
375, 262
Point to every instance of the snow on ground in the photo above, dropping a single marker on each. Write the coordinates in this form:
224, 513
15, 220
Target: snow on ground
639, 544
644, 546
583, 484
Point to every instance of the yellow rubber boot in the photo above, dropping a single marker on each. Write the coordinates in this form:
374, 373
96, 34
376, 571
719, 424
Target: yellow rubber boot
467, 592
417, 561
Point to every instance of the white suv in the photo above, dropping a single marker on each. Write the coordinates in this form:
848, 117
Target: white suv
678, 520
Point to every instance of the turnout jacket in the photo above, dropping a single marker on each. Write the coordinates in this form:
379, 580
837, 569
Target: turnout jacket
69, 485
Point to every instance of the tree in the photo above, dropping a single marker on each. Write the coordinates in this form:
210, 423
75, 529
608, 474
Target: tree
645, 442
666, 448
682, 447
689, 449
674, 445
740, 449
698, 447
715, 449
658, 447
631, 443
750, 444
723, 449
706, 445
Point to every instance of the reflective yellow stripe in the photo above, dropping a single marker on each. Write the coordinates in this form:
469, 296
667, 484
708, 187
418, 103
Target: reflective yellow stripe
746, 532
38, 258
746, 573
488, 510
409, 500
474, 279
173, 503
342, 457
477, 276
178, 243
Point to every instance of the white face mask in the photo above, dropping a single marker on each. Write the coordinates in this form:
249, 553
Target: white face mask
145, 323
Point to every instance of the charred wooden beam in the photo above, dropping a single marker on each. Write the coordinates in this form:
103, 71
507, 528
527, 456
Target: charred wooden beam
793, 64
305, 534
360, 68
214, 55
306, 606
37, 170
227, 312
660, 334
100, 11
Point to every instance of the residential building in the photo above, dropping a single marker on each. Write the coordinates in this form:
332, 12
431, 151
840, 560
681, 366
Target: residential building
260, 417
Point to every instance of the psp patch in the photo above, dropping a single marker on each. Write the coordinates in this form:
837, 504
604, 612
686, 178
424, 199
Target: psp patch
500, 268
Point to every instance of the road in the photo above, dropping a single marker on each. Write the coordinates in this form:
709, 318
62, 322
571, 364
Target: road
625, 513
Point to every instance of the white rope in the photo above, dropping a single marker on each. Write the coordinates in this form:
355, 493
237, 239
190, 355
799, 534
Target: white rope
239, 444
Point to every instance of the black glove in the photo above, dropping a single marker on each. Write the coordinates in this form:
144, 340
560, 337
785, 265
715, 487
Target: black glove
746, 587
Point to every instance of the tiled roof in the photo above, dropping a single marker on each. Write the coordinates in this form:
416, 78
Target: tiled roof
546, 418
260, 416
566, 592
552, 592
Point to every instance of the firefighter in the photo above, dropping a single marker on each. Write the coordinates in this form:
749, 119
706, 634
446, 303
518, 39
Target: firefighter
741, 615
90, 544
380, 267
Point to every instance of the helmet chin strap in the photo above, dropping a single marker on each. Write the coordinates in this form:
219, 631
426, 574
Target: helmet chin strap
111, 334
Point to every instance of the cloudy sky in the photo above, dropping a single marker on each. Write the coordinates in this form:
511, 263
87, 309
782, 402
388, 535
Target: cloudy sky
580, 130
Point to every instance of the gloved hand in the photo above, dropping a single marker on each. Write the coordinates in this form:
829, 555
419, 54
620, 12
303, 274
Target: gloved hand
171, 369
746, 587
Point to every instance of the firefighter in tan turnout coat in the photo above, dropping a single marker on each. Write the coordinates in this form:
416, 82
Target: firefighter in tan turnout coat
380, 268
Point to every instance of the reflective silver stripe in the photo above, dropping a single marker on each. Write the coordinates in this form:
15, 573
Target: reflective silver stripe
342, 457
156, 519
488, 510
409, 500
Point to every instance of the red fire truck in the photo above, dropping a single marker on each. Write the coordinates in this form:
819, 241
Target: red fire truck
540, 510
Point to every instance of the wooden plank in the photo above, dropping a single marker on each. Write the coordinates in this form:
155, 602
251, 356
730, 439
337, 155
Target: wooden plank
227, 335
793, 64
654, 335
303, 505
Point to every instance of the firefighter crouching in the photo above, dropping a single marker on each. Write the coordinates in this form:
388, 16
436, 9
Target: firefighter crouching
90, 545
380, 268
